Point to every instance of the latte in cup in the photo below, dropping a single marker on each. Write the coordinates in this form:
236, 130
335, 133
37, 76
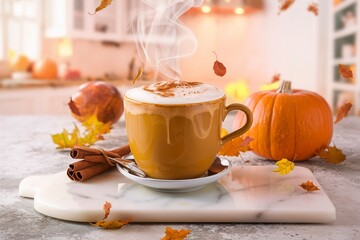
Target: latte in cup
174, 127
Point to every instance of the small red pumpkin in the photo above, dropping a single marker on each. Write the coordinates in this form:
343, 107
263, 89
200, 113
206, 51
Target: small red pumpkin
290, 124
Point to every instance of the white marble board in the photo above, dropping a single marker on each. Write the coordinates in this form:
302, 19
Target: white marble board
246, 194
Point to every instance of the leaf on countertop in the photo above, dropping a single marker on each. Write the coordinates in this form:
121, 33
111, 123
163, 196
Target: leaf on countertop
93, 132
219, 67
74, 109
284, 5
284, 166
309, 186
235, 146
113, 224
332, 154
345, 71
343, 112
173, 234
276, 78
314, 8
102, 5
138, 74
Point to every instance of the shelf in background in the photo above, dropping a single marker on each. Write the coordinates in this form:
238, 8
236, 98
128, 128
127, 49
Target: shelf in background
344, 4
346, 61
350, 87
346, 31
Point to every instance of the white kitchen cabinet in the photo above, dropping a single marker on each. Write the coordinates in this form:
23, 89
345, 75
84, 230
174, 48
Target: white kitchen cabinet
70, 18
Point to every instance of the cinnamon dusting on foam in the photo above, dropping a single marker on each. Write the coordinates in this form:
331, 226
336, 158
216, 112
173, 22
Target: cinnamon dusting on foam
167, 89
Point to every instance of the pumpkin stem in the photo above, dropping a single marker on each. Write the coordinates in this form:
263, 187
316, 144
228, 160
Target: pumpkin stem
285, 87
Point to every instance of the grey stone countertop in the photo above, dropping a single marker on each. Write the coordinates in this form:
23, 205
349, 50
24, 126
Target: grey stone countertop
27, 149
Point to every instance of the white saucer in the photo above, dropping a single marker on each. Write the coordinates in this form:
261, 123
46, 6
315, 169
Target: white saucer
183, 185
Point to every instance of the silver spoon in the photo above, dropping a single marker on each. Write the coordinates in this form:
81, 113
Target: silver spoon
129, 165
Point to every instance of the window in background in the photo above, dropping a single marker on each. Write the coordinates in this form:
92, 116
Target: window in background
20, 28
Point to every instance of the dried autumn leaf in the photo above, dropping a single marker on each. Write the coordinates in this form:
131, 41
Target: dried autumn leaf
276, 78
218, 67
284, 5
74, 109
110, 224
67, 139
309, 186
235, 146
343, 112
96, 126
138, 74
102, 5
284, 166
332, 154
345, 71
173, 234
106, 209
313, 7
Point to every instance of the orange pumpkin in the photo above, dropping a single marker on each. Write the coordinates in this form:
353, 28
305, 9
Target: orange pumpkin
290, 124
45, 69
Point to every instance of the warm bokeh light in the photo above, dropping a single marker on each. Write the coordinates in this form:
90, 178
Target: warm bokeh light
270, 86
239, 11
206, 9
238, 90
65, 48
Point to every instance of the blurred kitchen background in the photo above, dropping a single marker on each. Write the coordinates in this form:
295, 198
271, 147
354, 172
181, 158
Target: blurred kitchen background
50, 47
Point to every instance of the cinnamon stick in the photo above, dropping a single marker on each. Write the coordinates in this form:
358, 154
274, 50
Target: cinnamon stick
94, 161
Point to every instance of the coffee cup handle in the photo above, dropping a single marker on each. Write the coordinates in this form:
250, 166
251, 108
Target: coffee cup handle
247, 125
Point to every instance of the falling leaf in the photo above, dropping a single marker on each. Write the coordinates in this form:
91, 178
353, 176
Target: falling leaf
173, 234
345, 71
218, 67
284, 166
313, 7
74, 109
309, 186
106, 209
103, 4
276, 78
235, 146
331, 154
138, 74
343, 112
93, 132
110, 224
284, 5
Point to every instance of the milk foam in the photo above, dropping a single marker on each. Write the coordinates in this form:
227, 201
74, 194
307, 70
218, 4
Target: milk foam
181, 94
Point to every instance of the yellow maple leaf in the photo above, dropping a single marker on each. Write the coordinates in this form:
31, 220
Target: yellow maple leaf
93, 131
331, 154
235, 146
173, 234
284, 166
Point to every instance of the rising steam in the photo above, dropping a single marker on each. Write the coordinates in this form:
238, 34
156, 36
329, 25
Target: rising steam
161, 38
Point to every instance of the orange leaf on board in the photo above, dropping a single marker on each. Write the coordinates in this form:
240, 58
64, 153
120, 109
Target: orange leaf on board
313, 7
276, 78
109, 224
173, 234
218, 67
106, 209
235, 146
331, 154
309, 186
284, 5
103, 4
343, 112
345, 71
74, 109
